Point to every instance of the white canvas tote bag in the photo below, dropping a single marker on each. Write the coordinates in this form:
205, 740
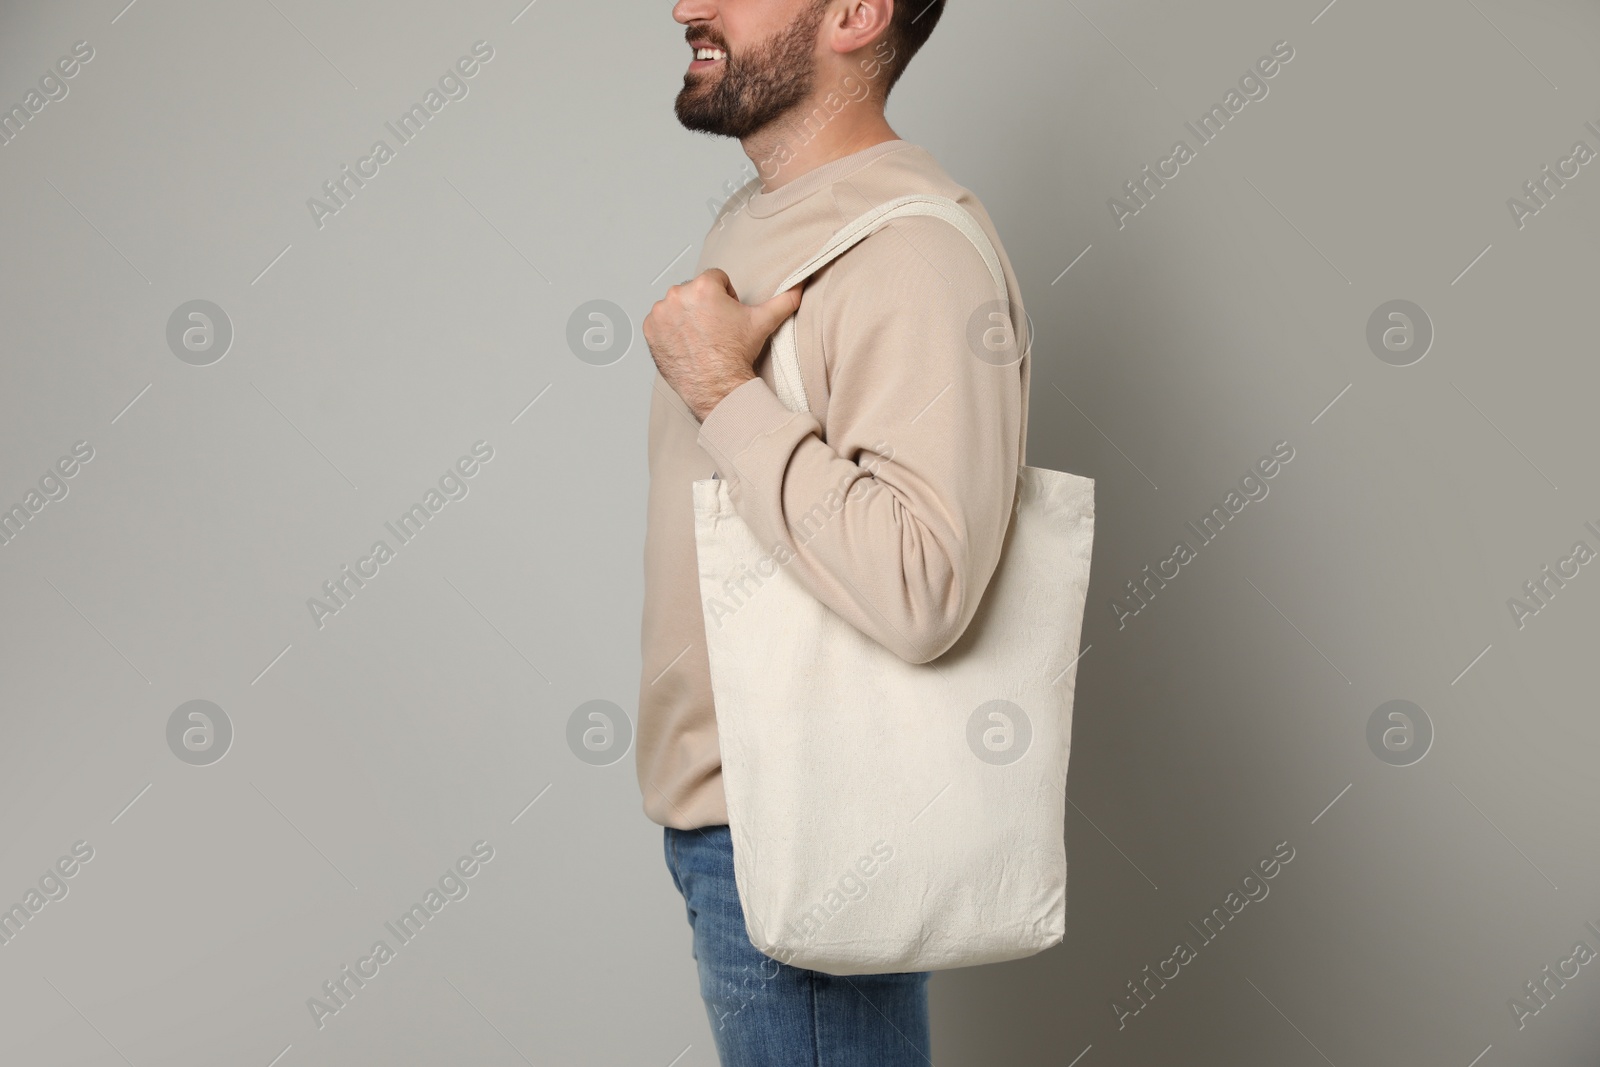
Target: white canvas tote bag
889, 816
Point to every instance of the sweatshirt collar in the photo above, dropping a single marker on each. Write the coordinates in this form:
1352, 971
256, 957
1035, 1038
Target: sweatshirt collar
764, 205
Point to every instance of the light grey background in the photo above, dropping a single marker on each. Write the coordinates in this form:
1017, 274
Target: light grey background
370, 353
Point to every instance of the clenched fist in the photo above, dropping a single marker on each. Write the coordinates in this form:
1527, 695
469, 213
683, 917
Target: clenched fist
704, 341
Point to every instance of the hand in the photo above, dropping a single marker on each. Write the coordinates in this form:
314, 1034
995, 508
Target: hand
705, 341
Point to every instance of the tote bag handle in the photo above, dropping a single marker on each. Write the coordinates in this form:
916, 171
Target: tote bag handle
785, 355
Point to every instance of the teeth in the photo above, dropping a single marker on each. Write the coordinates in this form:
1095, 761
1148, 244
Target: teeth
710, 53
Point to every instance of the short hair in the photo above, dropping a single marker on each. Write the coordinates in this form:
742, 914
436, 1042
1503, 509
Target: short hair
909, 29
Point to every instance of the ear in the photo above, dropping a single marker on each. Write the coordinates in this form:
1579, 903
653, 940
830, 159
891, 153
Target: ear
858, 24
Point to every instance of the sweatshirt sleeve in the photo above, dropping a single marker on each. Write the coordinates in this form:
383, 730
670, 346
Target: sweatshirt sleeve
895, 513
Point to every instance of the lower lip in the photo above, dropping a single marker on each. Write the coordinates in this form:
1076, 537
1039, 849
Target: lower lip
702, 64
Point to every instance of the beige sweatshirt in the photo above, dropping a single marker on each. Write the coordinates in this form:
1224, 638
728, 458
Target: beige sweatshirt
902, 395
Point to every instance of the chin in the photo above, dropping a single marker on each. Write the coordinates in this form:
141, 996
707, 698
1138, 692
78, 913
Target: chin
692, 118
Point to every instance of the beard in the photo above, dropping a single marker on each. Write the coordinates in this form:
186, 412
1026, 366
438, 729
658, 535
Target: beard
756, 87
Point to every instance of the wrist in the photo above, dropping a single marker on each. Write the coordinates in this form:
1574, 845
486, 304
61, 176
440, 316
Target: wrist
721, 390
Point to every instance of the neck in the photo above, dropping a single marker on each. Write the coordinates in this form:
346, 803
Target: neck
786, 148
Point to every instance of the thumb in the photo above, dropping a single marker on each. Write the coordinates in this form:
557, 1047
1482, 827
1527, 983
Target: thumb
768, 316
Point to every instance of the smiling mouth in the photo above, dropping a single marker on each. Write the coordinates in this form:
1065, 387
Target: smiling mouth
707, 56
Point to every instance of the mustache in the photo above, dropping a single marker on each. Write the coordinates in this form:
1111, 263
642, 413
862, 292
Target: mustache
715, 40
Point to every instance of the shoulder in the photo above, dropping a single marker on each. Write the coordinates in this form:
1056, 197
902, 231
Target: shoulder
915, 259
911, 169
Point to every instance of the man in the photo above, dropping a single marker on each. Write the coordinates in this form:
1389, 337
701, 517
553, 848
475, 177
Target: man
900, 398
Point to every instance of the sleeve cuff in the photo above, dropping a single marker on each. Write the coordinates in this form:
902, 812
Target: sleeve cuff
741, 418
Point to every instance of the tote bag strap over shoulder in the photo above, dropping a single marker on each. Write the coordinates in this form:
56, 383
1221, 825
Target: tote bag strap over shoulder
785, 355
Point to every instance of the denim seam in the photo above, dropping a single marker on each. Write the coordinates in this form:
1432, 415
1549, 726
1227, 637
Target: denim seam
816, 1028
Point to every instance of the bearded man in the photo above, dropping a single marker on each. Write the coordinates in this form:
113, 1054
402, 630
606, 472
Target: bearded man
898, 400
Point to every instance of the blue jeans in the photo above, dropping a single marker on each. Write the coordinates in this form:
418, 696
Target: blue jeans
768, 1014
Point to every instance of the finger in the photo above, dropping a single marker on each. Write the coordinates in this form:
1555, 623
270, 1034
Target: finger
766, 317
720, 277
